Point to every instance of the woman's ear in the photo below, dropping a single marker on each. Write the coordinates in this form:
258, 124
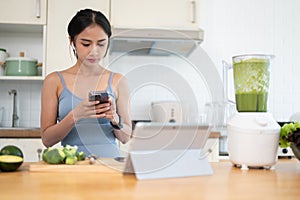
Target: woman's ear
72, 46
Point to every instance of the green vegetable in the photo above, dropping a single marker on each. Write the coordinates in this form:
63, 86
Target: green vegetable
70, 151
64, 155
55, 156
286, 133
11, 150
71, 160
45, 152
9, 163
81, 155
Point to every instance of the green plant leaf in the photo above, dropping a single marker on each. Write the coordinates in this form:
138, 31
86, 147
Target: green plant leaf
286, 130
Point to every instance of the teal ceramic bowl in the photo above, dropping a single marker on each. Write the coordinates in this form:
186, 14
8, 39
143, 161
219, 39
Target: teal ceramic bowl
20, 66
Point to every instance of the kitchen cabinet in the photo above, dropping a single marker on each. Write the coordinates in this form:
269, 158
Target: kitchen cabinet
59, 52
155, 14
23, 12
22, 29
27, 38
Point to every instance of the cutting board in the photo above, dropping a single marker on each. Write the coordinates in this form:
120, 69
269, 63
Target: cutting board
108, 165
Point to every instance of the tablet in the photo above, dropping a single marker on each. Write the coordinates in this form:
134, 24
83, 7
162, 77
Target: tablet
163, 136
165, 150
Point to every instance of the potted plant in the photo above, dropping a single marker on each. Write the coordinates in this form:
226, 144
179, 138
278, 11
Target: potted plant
290, 137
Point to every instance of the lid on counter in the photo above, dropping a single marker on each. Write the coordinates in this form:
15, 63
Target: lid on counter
254, 121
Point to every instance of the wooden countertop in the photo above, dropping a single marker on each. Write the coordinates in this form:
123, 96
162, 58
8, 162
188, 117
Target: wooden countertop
35, 133
227, 182
20, 133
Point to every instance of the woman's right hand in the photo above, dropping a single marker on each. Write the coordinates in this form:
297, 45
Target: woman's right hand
90, 109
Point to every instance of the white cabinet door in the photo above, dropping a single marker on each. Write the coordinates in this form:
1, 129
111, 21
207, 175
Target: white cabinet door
23, 11
59, 54
155, 13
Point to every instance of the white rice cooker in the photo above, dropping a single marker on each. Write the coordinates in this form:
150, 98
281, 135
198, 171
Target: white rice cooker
253, 139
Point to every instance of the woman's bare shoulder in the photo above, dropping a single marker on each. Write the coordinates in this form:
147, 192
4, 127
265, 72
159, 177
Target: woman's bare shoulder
118, 77
52, 76
52, 79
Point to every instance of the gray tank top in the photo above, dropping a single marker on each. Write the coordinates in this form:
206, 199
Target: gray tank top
93, 136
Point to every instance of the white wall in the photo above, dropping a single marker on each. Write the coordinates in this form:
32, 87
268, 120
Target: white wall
235, 27
155, 79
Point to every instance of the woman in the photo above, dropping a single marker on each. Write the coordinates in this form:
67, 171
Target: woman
67, 115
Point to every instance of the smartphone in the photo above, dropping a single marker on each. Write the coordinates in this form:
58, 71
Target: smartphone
101, 96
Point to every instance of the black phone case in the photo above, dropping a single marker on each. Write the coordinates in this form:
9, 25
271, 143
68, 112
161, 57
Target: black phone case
101, 96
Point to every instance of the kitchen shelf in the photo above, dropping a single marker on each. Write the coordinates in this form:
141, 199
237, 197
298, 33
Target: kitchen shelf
23, 28
21, 78
27, 38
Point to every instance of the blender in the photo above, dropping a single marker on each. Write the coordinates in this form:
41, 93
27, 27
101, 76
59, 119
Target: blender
253, 134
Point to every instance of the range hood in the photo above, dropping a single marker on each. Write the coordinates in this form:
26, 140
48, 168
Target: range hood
154, 42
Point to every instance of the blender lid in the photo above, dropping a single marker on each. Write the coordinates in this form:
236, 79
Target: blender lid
259, 121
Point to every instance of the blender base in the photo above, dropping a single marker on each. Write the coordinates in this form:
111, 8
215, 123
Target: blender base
253, 140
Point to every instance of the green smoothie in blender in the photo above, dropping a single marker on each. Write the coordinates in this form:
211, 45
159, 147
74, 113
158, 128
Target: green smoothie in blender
251, 82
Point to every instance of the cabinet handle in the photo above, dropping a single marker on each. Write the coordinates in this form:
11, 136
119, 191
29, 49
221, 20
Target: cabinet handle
38, 8
193, 12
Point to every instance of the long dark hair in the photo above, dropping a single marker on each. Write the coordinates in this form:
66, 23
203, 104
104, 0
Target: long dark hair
85, 18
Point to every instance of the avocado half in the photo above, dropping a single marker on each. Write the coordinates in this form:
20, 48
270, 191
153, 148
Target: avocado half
9, 163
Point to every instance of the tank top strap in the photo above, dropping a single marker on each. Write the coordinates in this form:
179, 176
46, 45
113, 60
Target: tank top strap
61, 78
109, 85
110, 79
